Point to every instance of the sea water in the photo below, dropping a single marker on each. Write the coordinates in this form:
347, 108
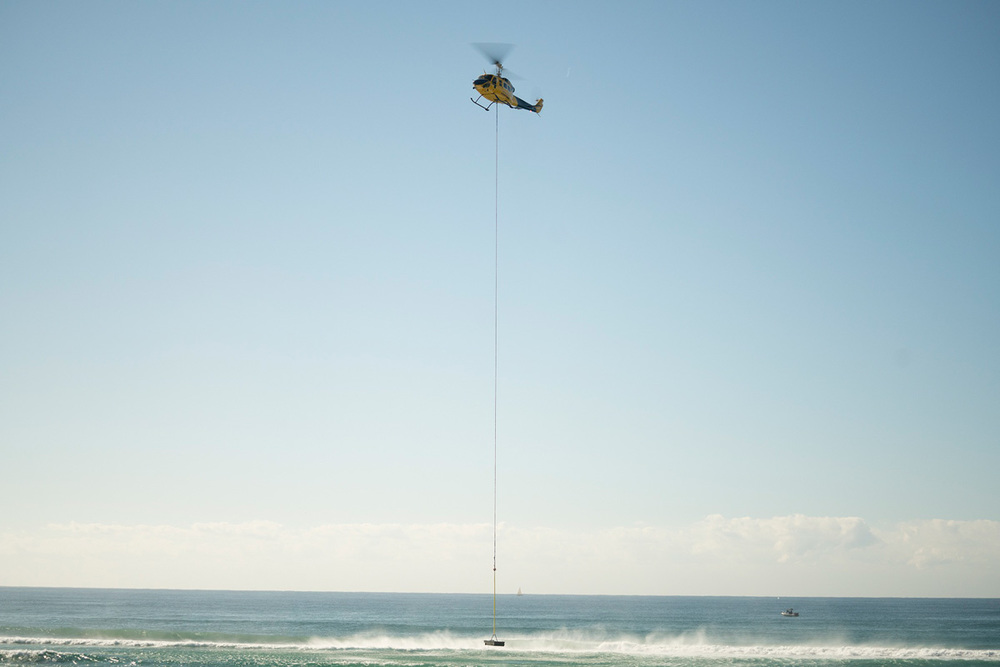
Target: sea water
247, 629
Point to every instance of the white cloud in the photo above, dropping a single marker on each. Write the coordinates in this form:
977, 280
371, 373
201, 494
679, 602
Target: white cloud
787, 538
790, 555
941, 543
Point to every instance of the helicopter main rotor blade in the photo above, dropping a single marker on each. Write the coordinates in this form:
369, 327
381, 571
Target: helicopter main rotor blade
494, 52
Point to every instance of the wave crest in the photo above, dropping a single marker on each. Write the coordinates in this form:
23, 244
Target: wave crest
44, 650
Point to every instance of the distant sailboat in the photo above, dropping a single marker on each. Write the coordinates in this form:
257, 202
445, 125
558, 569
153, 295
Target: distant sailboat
519, 593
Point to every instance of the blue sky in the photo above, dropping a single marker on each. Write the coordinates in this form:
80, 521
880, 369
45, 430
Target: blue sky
749, 296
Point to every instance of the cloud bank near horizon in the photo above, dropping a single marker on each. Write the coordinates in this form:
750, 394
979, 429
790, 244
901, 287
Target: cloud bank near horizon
786, 555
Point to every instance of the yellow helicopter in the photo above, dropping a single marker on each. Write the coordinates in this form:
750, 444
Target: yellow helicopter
496, 88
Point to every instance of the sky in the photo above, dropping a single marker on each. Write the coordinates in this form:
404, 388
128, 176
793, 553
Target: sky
749, 297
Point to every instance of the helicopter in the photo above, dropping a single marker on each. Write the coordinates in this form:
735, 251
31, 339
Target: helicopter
496, 88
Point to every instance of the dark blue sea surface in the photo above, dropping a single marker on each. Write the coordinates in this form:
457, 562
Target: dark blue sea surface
227, 628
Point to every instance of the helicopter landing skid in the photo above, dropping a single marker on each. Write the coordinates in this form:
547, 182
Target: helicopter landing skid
486, 108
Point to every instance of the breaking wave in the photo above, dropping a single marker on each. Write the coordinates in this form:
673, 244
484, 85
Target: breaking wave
48, 656
56, 650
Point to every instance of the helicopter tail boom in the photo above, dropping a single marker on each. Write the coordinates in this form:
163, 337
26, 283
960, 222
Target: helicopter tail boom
536, 107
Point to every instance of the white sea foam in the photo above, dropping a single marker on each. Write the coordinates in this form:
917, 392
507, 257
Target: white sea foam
99, 642
688, 645
431, 641
695, 645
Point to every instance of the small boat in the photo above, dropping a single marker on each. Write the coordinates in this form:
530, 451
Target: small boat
493, 641
789, 612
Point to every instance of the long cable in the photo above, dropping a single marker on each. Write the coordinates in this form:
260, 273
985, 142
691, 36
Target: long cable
496, 343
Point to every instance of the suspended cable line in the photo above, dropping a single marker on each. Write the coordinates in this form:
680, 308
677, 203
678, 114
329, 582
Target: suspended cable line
493, 641
497, 90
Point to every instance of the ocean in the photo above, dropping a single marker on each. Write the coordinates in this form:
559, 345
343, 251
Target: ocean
161, 628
